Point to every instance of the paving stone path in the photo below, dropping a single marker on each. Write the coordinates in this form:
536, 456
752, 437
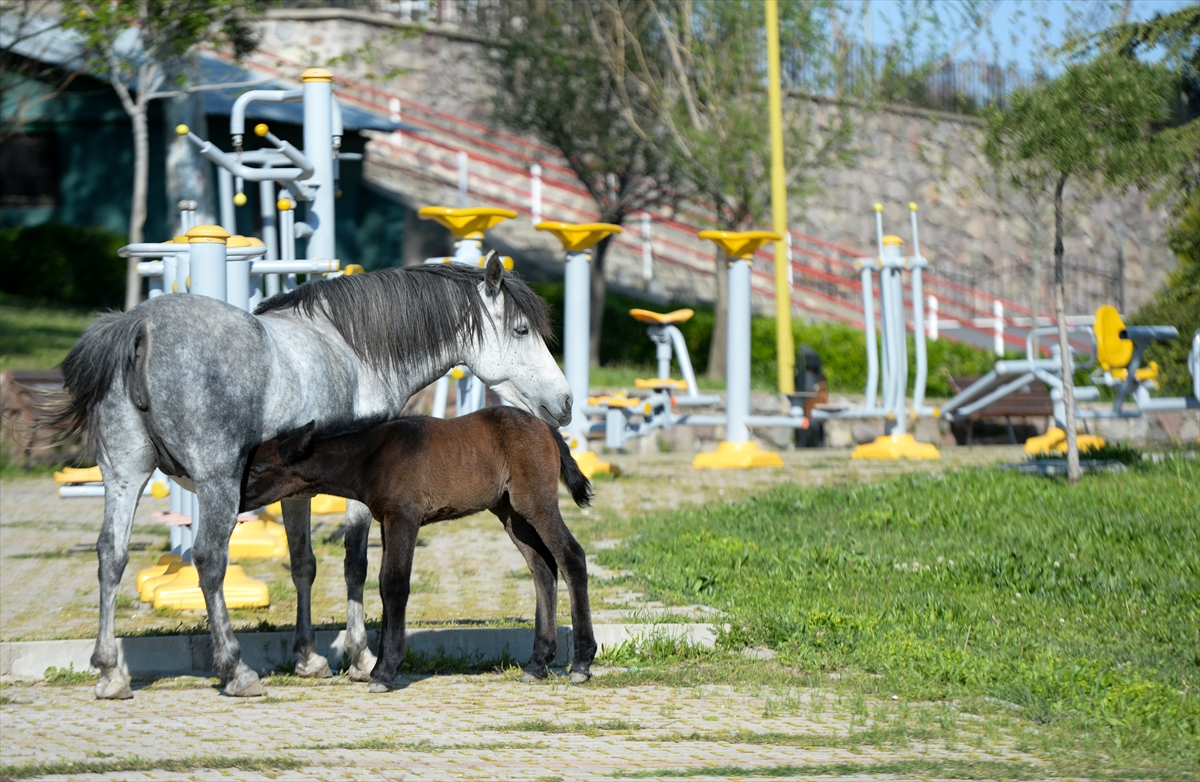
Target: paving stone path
445, 727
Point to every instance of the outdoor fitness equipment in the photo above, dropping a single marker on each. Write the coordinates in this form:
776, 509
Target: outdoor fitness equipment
467, 225
896, 443
1117, 358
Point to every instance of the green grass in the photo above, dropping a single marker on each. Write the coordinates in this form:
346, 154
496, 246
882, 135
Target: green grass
36, 336
1080, 605
135, 763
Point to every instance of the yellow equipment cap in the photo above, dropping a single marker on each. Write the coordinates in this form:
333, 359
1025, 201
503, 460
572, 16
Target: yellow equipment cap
181, 130
891, 240
239, 199
207, 233
283, 204
261, 129
316, 74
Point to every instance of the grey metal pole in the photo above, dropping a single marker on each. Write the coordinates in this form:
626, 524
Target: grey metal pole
225, 194
318, 148
206, 248
869, 333
737, 353
576, 323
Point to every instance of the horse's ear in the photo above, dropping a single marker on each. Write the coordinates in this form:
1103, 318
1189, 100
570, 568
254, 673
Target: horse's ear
493, 271
298, 445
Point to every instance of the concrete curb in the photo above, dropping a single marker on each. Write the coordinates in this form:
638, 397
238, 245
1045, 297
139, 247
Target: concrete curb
191, 655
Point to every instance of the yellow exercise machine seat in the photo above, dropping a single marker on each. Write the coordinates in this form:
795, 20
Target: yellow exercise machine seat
577, 237
662, 319
739, 244
1113, 350
467, 222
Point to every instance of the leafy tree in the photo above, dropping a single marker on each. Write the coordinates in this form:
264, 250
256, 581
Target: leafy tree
135, 43
698, 70
1094, 125
551, 83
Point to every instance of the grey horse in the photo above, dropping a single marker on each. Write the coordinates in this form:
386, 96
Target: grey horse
190, 385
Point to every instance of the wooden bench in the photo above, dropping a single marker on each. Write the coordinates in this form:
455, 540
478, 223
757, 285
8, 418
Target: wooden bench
1031, 401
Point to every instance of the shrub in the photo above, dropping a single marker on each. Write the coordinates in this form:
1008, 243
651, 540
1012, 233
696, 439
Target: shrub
64, 264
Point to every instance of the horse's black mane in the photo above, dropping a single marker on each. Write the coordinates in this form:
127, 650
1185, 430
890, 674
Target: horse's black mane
395, 317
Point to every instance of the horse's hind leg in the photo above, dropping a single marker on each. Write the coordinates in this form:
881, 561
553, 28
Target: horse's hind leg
126, 460
358, 529
571, 559
297, 521
545, 584
219, 500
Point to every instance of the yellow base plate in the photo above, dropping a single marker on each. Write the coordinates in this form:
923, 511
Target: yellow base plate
145, 574
262, 538
322, 503
183, 591
896, 446
1055, 441
737, 456
146, 590
590, 464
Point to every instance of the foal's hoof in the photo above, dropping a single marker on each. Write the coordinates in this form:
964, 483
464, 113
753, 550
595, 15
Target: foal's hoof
113, 686
245, 684
529, 677
315, 667
579, 677
379, 687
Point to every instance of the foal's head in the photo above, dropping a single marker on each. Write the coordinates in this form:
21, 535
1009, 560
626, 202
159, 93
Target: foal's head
277, 468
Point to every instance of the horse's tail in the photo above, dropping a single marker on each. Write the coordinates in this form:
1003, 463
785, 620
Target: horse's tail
107, 349
576, 482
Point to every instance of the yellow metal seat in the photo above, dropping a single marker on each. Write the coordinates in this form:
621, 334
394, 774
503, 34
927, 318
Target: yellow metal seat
145, 574
739, 244
662, 319
261, 538
615, 400
321, 504
1112, 350
1055, 441
467, 222
182, 592
657, 383
577, 237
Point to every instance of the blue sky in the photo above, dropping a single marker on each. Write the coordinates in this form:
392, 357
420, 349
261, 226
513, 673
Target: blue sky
1015, 32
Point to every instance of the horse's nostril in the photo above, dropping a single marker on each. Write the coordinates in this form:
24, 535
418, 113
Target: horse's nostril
567, 402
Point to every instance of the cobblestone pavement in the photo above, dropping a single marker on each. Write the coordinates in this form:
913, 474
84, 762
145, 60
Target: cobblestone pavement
459, 727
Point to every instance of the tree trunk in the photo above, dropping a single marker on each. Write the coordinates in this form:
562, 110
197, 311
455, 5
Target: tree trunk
716, 351
599, 289
1063, 346
137, 208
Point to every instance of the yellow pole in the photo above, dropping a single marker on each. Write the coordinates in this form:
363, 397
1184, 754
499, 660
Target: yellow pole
784, 346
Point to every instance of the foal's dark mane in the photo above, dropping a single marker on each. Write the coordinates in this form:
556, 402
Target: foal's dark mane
394, 317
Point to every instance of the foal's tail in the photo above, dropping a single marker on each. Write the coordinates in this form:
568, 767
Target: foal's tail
106, 350
576, 482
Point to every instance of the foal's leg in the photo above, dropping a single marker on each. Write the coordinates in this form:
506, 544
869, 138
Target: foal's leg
126, 461
400, 539
358, 529
298, 523
571, 558
219, 501
545, 584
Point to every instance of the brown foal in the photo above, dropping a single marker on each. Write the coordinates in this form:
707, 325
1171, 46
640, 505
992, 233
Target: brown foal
418, 470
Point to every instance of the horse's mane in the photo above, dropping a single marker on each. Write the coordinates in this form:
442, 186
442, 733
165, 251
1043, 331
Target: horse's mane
396, 318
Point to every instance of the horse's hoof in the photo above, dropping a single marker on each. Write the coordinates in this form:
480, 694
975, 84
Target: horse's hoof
360, 671
315, 667
245, 685
579, 677
379, 687
529, 677
113, 687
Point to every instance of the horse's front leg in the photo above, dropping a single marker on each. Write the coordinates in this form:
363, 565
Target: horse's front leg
297, 521
358, 530
400, 539
219, 500
125, 474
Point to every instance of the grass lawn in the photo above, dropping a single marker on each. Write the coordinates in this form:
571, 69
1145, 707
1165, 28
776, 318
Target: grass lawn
35, 336
1076, 609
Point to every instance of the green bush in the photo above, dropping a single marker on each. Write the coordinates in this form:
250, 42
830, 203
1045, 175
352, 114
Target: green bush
842, 347
1177, 304
64, 264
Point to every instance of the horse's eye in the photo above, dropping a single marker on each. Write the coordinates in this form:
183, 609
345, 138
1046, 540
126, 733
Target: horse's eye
522, 331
